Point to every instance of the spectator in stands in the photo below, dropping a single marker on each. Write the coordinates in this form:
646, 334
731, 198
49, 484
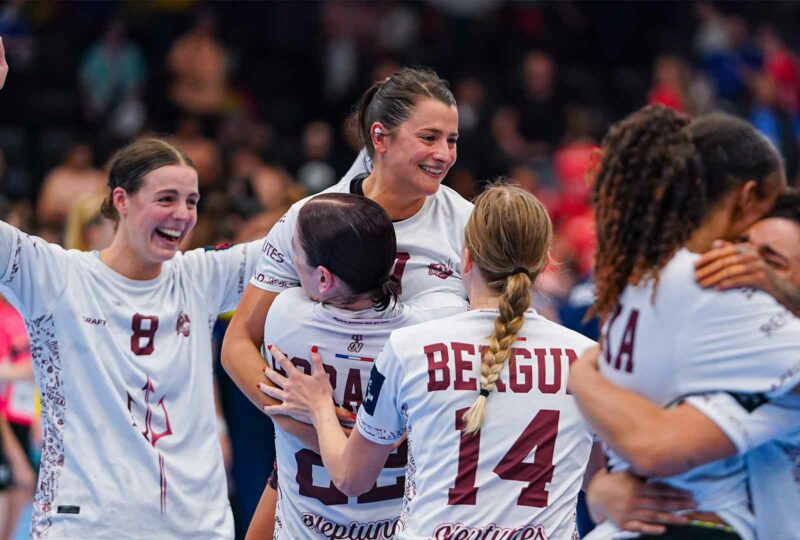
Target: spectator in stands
775, 121
203, 152
197, 61
69, 180
112, 76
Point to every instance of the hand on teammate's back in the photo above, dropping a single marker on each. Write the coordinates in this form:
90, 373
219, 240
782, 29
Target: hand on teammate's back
730, 266
634, 504
300, 394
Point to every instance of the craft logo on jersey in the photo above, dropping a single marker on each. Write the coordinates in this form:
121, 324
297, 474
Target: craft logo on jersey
441, 270
357, 344
184, 324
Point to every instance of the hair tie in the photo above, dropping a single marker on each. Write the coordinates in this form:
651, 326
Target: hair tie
484, 392
520, 270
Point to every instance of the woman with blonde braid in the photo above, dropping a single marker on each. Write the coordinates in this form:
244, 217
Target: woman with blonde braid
473, 411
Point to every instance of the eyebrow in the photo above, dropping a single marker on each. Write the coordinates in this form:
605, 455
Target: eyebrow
767, 250
437, 131
175, 192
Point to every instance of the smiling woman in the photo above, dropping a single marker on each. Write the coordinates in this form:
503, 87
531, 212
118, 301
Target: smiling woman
408, 124
153, 201
120, 345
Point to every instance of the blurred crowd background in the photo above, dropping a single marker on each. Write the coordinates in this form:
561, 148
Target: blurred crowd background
259, 94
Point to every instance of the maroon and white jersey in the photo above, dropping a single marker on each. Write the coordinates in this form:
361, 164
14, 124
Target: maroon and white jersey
428, 246
688, 340
523, 470
309, 505
124, 369
767, 434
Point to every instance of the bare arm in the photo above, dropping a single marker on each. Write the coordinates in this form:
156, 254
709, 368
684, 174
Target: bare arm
643, 433
20, 371
242, 360
597, 463
3, 64
353, 464
262, 524
241, 348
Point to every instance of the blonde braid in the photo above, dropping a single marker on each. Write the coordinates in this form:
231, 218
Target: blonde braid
508, 236
514, 301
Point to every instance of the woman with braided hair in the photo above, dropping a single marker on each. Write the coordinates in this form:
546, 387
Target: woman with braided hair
666, 189
475, 393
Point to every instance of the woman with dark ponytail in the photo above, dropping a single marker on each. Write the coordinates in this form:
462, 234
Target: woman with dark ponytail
346, 307
476, 393
408, 124
667, 188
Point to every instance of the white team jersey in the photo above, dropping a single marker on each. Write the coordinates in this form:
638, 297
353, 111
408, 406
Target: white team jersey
362, 164
689, 340
768, 435
124, 368
428, 246
310, 506
523, 470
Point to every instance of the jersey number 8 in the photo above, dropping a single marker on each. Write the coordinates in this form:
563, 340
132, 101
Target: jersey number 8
144, 332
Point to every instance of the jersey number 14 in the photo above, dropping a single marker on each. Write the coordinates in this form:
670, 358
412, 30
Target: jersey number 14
540, 433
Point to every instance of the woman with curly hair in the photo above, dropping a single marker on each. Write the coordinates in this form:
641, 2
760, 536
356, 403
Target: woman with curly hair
665, 190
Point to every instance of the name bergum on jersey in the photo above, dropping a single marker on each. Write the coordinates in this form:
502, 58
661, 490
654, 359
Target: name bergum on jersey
519, 476
124, 368
310, 506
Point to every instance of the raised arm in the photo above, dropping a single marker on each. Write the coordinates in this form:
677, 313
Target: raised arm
3, 64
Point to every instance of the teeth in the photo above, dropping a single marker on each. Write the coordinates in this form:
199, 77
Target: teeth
174, 233
431, 169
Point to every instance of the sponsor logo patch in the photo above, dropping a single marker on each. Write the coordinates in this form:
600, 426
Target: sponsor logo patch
376, 379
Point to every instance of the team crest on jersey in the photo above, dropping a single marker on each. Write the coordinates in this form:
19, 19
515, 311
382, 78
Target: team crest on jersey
357, 344
184, 324
441, 270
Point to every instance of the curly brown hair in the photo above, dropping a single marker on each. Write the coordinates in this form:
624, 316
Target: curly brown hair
660, 174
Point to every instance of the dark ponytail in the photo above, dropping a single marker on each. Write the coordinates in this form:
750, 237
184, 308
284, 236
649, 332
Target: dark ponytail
353, 237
